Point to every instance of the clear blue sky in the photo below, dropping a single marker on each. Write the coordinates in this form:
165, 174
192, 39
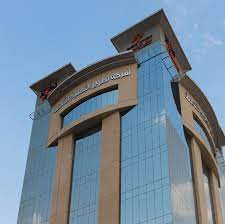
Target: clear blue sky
37, 37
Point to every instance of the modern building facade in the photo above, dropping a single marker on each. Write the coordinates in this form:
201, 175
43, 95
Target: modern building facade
130, 139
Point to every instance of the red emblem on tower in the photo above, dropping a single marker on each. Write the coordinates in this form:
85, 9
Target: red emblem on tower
140, 42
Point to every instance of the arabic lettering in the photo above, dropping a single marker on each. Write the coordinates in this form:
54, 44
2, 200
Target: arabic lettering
93, 85
195, 105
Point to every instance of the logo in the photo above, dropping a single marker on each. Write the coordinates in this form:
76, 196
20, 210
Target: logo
138, 38
171, 52
46, 91
140, 42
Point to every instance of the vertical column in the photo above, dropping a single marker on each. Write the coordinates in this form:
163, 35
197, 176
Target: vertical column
199, 182
217, 209
54, 126
109, 196
62, 181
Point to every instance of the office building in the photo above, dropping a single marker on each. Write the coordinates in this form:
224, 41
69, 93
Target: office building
130, 139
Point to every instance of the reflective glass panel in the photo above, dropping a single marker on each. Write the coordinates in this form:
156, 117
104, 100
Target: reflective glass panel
145, 190
221, 165
85, 185
35, 204
155, 188
208, 196
202, 133
91, 105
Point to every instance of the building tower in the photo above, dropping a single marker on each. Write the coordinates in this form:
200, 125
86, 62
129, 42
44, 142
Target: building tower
130, 139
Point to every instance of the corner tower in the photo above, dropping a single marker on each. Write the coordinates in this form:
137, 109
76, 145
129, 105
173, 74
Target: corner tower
131, 140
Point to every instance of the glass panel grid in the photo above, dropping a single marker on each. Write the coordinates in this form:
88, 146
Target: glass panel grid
208, 196
85, 185
35, 203
202, 133
91, 105
145, 185
148, 189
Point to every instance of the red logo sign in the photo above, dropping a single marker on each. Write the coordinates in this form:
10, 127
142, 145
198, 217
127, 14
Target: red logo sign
171, 53
46, 92
140, 42
138, 38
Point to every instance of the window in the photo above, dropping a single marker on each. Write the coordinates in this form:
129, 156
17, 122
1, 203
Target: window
85, 185
145, 191
201, 132
91, 105
208, 196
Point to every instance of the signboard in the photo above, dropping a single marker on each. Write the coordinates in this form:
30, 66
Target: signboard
195, 105
89, 86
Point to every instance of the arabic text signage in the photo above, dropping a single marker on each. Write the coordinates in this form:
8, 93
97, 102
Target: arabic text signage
195, 105
89, 86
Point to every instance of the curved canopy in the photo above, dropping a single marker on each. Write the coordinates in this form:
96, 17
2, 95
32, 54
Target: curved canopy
203, 102
104, 65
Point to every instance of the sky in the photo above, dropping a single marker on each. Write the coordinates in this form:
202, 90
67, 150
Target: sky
38, 37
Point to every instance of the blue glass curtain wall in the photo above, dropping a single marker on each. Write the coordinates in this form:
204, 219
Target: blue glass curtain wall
85, 185
146, 183
91, 105
208, 196
201, 132
221, 165
35, 205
